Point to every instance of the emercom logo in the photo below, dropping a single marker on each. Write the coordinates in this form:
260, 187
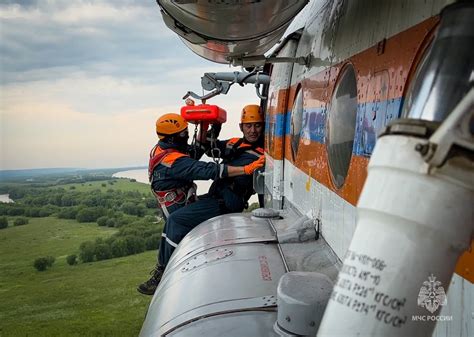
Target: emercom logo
432, 294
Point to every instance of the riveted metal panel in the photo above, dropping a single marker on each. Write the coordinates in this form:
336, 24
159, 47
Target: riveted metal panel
223, 230
230, 263
243, 280
357, 30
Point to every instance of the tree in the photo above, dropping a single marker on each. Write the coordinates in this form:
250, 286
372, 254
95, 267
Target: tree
119, 248
103, 252
39, 200
134, 244
40, 264
152, 242
16, 211
4, 208
90, 214
43, 263
17, 192
33, 212
102, 221
129, 208
3, 222
20, 221
44, 212
47, 210
110, 222
123, 220
87, 251
67, 200
68, 213
151, 202
71, 259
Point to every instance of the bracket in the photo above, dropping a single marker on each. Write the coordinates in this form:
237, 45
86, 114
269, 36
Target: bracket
455, 130
261, 60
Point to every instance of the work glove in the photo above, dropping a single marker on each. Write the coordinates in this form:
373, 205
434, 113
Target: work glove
255, 165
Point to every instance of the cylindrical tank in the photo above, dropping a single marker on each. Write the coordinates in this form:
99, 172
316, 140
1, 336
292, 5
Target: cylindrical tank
414, 219
221, 281
219, 30
412, 227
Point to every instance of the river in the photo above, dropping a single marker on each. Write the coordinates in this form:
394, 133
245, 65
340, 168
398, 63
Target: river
5, 198
141, 175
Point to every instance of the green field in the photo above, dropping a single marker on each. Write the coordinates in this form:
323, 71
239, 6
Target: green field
89, 299
119, 184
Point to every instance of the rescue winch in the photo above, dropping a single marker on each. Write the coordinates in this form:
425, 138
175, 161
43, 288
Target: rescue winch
202, 115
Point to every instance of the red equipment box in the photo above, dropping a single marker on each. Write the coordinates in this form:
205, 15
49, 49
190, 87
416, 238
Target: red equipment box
203, 113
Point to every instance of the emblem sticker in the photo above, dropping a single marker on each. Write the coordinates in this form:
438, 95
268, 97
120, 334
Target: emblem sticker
432, 294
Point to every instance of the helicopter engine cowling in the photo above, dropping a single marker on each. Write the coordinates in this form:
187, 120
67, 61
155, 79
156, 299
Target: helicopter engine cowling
222, 30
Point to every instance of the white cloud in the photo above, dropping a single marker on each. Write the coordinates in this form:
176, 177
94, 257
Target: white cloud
82, 83
62, 123
84, 13
17, 12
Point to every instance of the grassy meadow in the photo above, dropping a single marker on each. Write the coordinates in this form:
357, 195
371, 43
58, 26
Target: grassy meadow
118, 184
87, 299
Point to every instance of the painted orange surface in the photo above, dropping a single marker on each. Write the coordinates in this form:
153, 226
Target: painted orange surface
312, 160
380, 76
383, 73
465, 265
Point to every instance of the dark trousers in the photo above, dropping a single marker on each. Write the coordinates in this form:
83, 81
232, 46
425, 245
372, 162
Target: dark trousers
182, 221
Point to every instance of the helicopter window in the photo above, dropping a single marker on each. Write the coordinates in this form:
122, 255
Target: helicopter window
296, 123
341, 125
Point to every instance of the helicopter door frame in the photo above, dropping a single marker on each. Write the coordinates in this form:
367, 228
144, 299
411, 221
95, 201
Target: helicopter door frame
278, 112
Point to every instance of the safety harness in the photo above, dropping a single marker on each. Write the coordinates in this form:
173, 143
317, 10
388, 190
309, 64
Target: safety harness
173, 196
234, 148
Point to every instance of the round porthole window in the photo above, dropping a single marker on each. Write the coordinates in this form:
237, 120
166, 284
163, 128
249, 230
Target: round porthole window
341, 125
296, 122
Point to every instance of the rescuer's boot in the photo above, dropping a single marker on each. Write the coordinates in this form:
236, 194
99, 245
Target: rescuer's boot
149, 287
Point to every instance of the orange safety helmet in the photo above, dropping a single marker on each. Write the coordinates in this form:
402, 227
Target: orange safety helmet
251, 114
169, 124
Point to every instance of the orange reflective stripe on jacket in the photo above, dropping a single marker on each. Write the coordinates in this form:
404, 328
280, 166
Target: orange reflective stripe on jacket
170, 158
165, 157
258, 151
231, 142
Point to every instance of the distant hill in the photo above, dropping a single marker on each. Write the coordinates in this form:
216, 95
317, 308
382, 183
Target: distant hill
9, 175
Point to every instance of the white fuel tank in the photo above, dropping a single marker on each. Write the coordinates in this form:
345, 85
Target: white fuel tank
220, 30
221, 281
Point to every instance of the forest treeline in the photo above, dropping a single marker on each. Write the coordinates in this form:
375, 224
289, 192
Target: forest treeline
132, 212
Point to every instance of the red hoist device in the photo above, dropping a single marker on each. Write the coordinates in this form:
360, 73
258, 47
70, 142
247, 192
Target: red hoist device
202, 115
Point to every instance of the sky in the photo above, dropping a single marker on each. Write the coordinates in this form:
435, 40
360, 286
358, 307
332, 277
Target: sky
83, 82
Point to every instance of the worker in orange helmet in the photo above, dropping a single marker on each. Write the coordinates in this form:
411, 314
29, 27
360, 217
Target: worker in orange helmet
228, 194
238, 151
171, 172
